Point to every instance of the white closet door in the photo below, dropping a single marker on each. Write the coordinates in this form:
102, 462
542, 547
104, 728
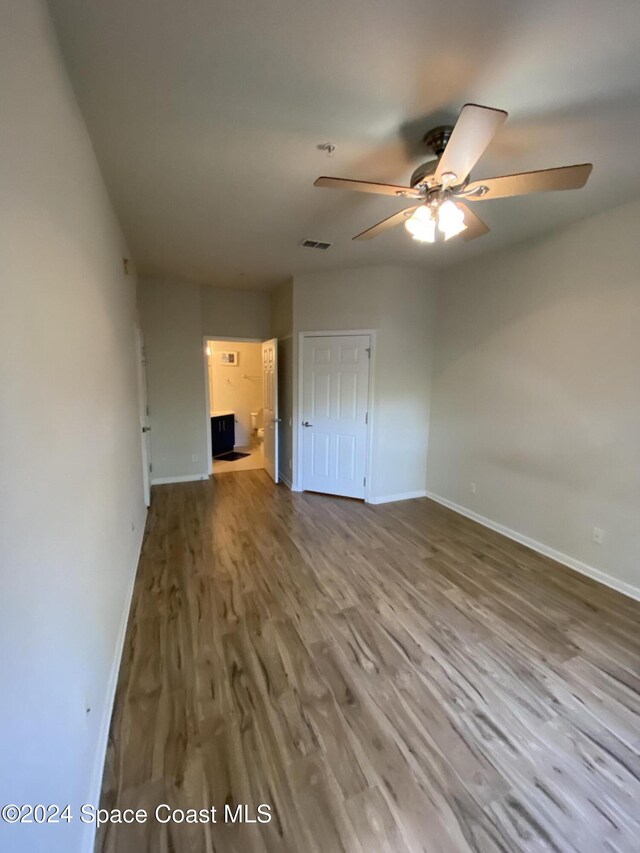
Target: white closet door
335, 393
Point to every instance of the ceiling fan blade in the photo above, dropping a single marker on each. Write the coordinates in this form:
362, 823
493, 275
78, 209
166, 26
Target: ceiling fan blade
389, 222
474, 130
563, 178
366, 187
475, 226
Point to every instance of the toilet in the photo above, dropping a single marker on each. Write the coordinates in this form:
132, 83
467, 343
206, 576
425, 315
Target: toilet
257, 424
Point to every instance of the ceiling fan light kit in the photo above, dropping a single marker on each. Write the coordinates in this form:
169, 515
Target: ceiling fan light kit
441, 186
421, 224
440, 219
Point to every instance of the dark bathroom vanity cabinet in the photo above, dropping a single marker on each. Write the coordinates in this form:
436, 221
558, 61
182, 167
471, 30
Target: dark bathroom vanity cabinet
223, 433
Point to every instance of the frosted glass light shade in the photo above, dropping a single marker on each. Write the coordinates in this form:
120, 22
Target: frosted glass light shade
422, 225
450, 219
429, 223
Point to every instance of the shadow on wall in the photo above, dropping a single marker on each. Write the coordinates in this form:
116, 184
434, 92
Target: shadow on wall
285, 408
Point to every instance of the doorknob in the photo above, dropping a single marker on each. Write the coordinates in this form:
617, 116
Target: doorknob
306, 424
277, 420
146, 429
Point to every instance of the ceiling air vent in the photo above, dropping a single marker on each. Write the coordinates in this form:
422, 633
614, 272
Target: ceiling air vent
315, 244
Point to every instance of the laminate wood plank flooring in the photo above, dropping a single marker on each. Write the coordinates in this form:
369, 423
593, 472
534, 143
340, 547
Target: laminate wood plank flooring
387, 678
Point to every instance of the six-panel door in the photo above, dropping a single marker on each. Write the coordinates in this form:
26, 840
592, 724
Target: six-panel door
335, 392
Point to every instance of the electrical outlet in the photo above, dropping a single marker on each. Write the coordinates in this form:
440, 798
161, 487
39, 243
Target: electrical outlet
473, 488
598, 535
195, 457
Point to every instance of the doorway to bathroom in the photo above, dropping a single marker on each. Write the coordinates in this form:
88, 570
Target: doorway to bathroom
236, 414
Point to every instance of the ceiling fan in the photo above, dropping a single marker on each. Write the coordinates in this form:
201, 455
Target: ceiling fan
440, 187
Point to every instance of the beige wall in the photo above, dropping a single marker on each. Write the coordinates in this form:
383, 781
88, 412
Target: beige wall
228, 312
536, 394
400, 304
71, 505
237, 388
285, 403
282, 329
172, 325
175, 317
282, 310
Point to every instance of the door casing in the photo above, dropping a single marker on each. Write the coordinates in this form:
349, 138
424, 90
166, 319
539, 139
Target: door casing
271, 415
207, 393
143, 413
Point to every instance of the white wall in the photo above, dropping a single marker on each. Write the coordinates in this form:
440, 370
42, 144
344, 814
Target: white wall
237, 388
72, 512
175, 315
400, 304
536, 392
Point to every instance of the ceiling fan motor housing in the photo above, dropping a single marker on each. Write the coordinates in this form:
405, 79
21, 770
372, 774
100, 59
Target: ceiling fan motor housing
436, 140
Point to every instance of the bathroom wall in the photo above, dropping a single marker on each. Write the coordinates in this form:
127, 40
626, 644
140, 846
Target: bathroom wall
236, 388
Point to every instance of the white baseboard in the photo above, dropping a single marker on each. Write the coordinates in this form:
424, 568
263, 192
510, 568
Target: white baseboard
105, 723
541, 548
405, 496
185, 478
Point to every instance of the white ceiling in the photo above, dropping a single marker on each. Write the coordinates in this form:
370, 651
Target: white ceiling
206, 114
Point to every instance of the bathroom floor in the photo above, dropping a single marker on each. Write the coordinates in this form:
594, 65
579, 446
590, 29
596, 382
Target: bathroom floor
248, 463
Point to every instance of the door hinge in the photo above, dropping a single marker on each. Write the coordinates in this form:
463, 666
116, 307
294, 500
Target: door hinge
364, 482
150, 467
366, 417
368, 351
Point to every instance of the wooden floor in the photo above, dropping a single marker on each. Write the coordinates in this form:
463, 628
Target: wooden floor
387, 678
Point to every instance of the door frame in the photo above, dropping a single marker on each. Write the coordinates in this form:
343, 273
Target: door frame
297, 438
275, 410
143, 413
207, 395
